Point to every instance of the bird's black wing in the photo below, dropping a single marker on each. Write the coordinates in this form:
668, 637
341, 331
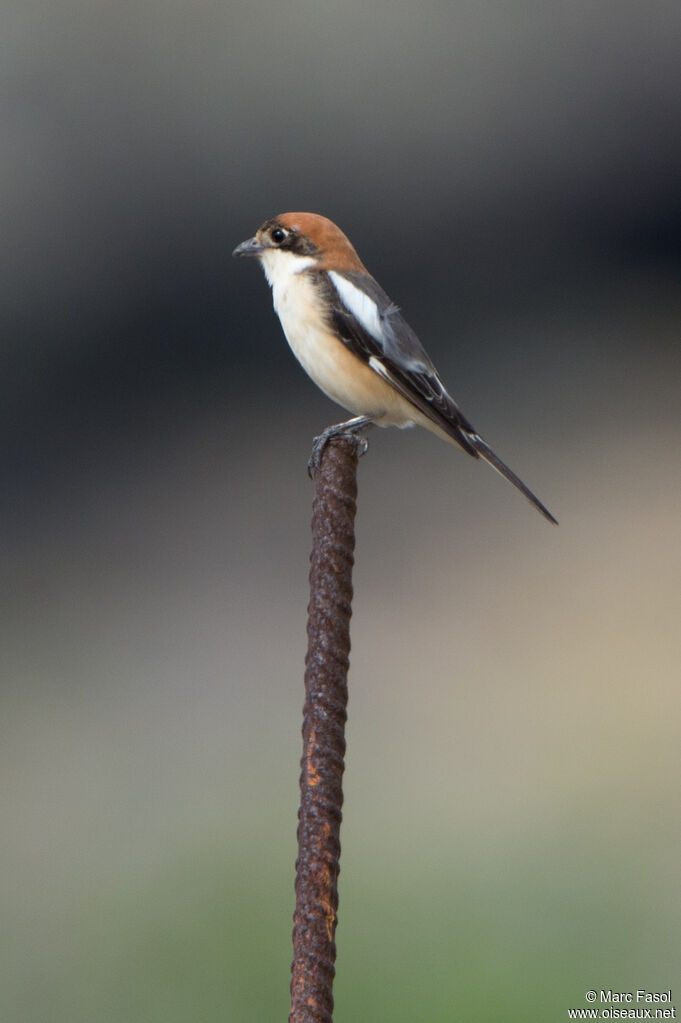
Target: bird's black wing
373, 328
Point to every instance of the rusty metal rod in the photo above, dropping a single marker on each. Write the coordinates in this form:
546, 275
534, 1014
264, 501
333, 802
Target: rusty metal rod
324, 717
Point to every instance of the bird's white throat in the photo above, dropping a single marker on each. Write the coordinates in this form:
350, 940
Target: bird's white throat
280, 266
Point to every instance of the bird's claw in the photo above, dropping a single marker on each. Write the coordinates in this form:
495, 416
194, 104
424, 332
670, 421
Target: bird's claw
352, 430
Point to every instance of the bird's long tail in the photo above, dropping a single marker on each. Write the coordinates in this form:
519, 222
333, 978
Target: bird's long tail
486, 452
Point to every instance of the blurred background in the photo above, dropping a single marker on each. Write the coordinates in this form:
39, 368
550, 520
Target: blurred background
511, 173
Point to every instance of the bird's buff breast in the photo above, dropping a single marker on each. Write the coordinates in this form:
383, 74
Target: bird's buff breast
337, 372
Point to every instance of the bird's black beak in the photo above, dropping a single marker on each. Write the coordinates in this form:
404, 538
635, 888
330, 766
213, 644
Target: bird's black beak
251, 247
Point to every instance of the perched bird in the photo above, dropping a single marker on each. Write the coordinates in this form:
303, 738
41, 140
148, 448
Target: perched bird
352, 339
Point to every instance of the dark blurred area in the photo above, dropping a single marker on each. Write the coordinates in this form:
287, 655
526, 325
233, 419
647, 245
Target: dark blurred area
511, 175
485, 163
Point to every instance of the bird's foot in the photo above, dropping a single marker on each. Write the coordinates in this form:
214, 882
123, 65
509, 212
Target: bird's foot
353, 429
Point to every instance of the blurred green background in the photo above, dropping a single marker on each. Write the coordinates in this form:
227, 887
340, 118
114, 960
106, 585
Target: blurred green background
510, 172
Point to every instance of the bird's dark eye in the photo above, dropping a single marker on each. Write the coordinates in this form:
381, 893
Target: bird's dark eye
278, 235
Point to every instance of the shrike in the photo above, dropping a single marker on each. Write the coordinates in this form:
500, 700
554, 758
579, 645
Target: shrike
353, 341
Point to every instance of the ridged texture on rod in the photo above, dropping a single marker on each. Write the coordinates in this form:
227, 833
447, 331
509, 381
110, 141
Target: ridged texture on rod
324, 716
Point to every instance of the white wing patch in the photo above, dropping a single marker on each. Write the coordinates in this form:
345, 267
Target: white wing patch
363, 308
379, 368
